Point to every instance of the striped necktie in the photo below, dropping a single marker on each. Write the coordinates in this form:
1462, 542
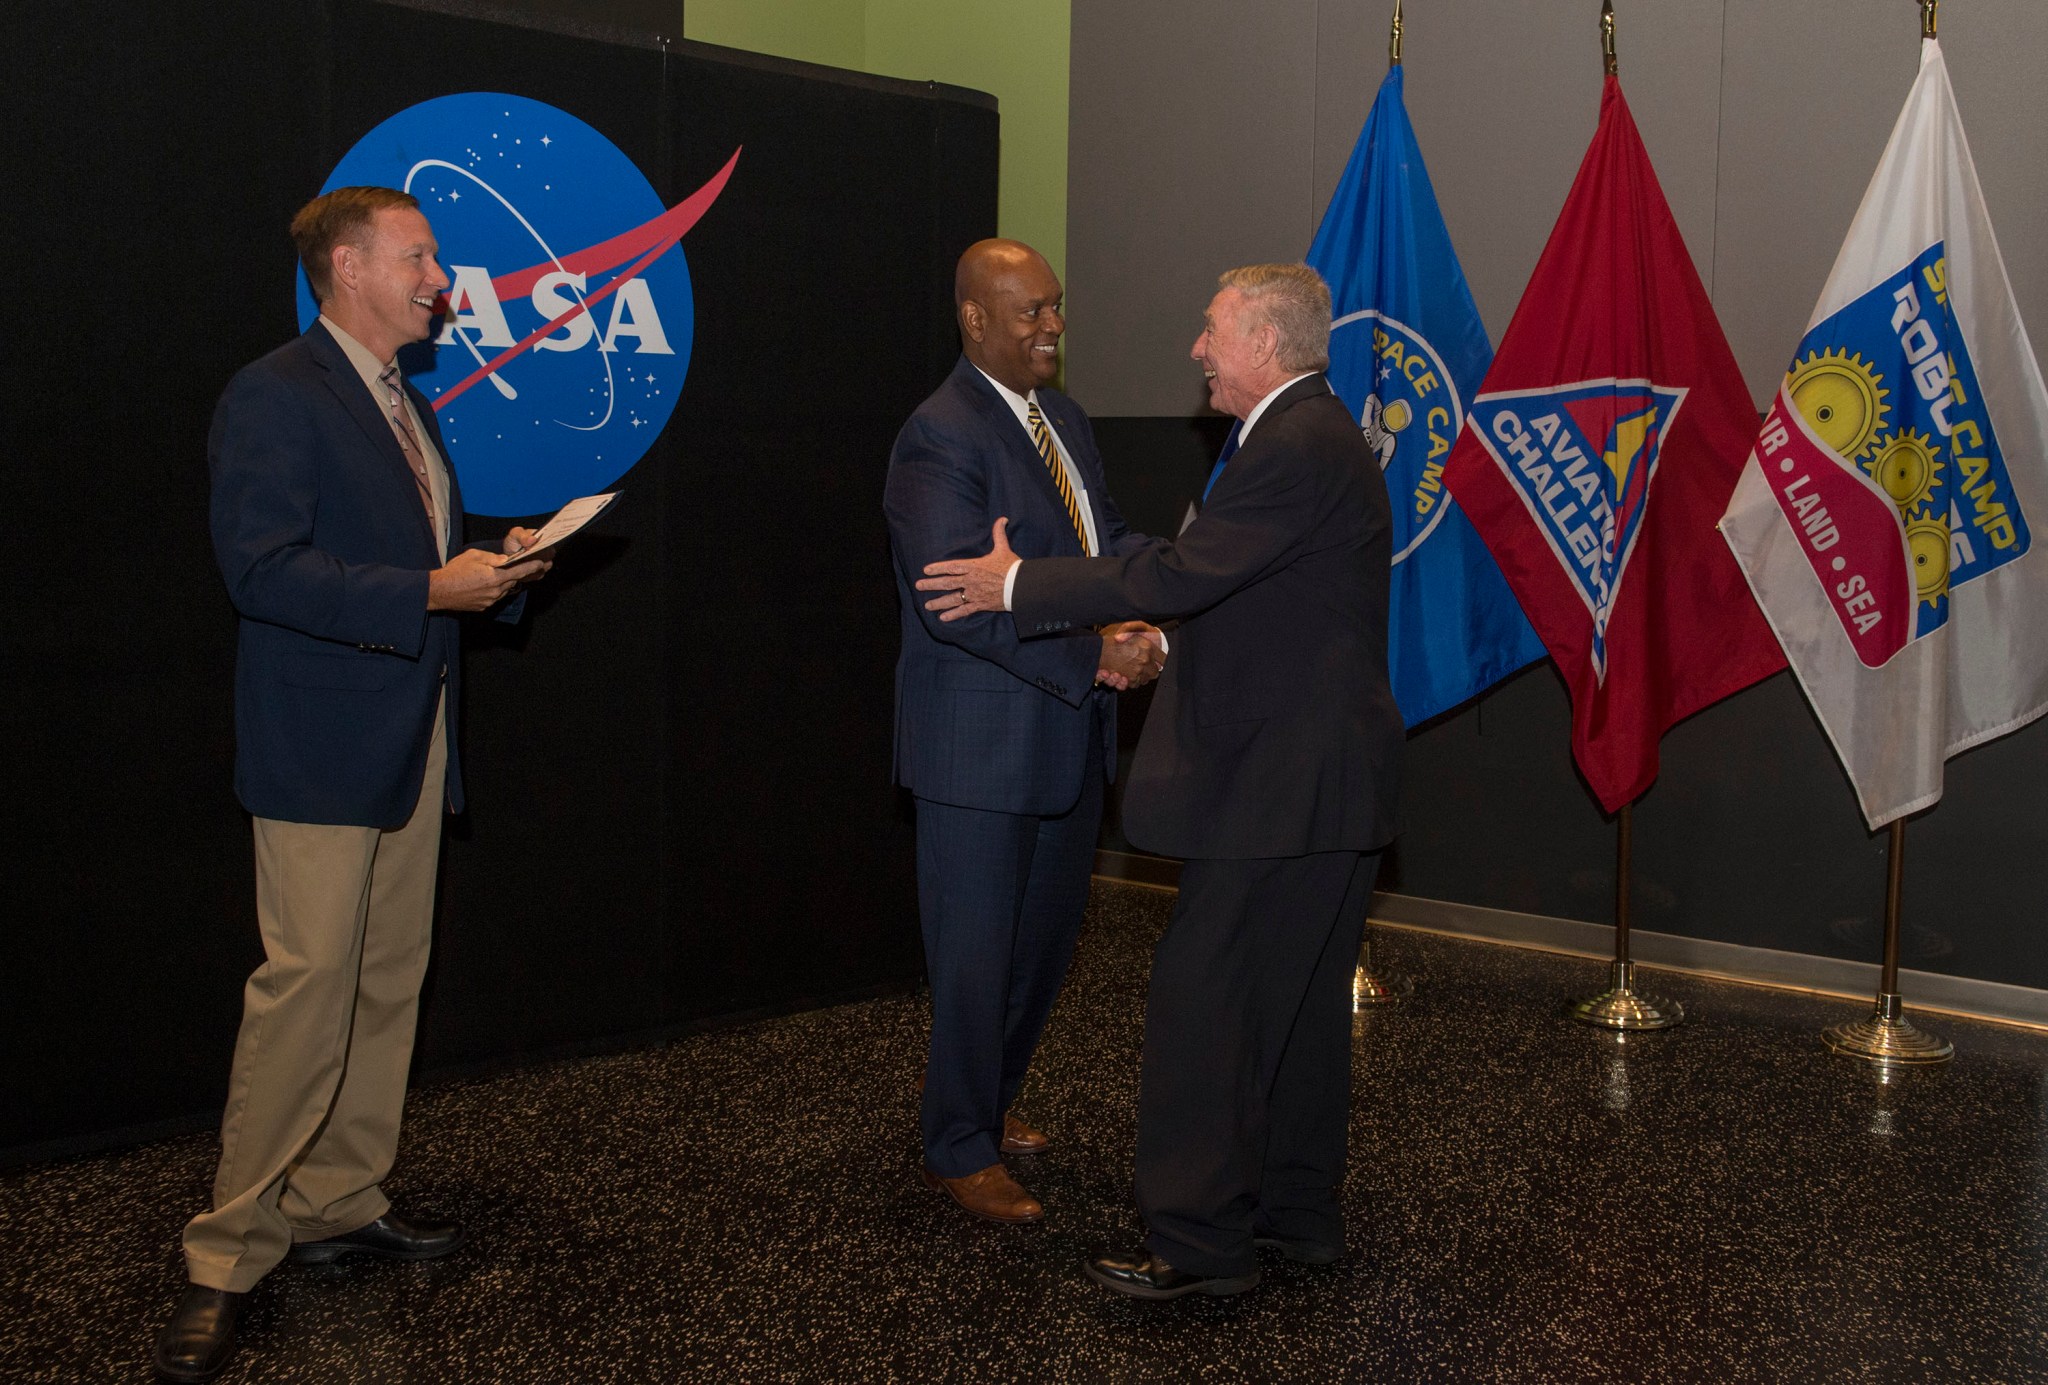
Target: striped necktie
408, 441
1042, 435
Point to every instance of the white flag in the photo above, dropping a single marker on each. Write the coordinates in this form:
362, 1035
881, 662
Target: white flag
1884, 519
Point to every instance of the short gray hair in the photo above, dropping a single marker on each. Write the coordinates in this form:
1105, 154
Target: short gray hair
1296, 301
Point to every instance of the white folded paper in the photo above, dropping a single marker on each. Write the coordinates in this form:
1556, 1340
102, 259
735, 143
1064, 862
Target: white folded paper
568, 520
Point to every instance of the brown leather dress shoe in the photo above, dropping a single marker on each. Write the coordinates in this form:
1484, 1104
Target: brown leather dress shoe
1019, 1138
991, 1194
200, 1337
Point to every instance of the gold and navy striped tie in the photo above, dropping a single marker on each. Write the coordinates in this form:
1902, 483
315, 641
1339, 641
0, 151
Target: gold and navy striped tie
1042, 435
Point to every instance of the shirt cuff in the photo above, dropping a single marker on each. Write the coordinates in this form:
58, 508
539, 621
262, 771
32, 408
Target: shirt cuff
1010, 582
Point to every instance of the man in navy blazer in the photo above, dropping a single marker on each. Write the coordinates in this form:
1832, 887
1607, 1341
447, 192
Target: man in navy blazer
337, 527
1004, 741
1270, 761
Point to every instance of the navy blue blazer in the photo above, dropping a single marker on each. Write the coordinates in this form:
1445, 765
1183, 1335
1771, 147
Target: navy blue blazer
325, 547
984, 718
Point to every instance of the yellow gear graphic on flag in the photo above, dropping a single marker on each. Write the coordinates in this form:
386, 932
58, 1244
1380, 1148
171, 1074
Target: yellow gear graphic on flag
1927, 541
1907, 467
1842, 399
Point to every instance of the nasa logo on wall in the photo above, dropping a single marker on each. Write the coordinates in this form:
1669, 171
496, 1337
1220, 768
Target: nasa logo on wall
565, 336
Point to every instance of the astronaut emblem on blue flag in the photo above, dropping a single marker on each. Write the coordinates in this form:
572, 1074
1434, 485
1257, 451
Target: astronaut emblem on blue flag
1582, 457
1411, 414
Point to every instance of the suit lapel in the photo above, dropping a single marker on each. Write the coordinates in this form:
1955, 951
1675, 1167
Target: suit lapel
356, 399
1017, 441
1307, 387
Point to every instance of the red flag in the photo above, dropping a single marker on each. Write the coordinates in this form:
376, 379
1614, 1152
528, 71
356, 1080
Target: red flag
1598, 456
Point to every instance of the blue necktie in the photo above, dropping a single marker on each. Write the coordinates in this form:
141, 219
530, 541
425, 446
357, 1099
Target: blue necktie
1223, 459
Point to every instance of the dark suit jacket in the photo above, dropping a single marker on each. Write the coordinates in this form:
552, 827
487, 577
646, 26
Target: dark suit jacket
320, 534
1273, 732
985, 719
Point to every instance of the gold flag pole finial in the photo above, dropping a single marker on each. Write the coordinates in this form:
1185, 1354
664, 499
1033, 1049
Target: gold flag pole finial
1927, 9
1607, 34
1394, 45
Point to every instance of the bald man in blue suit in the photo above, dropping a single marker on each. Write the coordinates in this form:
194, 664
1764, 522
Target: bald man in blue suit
1005, 742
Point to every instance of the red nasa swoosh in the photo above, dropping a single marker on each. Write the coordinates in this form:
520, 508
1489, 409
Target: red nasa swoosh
650, 241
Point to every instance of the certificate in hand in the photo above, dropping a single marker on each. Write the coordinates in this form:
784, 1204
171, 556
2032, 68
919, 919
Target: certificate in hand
568, 520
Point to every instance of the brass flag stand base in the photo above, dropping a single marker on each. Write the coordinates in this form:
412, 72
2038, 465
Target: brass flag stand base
1369, 987
1621, 1006
1886, 1035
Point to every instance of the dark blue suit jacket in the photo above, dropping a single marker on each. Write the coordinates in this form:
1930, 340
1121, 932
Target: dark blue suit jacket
1273, 731
320, 534
985, 719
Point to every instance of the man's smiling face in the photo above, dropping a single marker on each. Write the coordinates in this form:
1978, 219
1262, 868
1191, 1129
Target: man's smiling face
1232, 351
395, 280
1021, 323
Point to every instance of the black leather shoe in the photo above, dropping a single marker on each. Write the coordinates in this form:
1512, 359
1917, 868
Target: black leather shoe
390, 1237
1144, 1275
200, 1337
1301, 1252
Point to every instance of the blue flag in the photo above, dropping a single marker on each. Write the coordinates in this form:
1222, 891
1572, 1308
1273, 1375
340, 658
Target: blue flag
1407, 353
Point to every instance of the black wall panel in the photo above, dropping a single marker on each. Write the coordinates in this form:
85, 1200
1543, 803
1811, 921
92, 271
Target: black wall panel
678, 763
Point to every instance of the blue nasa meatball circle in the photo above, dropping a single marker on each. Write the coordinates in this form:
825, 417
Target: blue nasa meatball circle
535, 212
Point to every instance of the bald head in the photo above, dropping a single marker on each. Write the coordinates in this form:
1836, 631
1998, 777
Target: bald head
1008, 301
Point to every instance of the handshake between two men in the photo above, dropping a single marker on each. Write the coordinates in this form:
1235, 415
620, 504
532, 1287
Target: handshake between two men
1248, 1039
1133, 652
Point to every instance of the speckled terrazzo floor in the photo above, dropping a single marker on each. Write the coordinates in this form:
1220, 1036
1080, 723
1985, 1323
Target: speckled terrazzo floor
1531, 1201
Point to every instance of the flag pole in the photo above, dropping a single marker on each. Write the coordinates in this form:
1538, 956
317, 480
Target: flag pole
1886, 1035
1368, 987
1621, 1006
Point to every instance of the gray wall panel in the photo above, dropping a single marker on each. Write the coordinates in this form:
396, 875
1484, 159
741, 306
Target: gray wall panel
1998, 71
1797, 162
1190, 128
1351, 57
1192, 134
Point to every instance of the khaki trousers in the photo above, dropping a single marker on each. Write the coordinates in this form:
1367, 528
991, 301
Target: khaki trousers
318, 1083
